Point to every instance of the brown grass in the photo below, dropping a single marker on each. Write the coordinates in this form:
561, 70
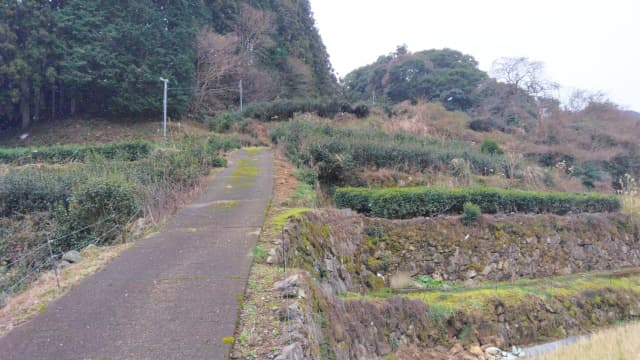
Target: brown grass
434, 120
621, 343
38, 295
90, 131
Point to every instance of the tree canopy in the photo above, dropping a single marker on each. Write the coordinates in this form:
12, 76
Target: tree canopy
99, 57
434, 75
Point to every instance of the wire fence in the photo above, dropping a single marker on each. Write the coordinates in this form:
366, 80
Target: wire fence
48, 255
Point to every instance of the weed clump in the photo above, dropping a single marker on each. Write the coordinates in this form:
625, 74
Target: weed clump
470, 213
491, 147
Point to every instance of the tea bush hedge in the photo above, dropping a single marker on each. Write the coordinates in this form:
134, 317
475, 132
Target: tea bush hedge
129, 151
402, 203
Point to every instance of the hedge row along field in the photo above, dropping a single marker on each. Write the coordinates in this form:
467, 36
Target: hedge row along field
130, 151
280, 110
404, 203
336, 152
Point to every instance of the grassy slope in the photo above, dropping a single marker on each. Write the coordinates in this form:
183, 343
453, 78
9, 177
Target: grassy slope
89, 131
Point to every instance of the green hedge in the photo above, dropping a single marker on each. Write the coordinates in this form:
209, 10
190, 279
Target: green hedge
403, 203
130, 151
181, 164
285, 109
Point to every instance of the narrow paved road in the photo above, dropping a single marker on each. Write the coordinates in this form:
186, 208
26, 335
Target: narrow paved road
171, 296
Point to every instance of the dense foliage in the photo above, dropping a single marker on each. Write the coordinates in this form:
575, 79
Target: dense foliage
336, 152
402, 203
434, 75
61, 58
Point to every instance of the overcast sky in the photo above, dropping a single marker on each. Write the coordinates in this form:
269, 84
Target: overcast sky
586, 44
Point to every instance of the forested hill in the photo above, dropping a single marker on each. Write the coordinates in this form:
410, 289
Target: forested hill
60, 58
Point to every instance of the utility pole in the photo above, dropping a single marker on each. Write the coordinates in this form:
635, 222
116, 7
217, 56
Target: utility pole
240, 95
164, 109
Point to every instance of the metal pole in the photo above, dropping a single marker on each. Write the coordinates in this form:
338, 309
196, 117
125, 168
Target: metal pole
55, 267
240, 95
164, 109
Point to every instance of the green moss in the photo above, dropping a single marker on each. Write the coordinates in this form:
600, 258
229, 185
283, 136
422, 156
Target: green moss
282, 218
597, 300
253, 150
374, 264
325, 230
483, 296
375, 282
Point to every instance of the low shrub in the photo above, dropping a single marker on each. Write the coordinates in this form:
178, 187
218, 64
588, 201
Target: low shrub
485, 125
101, 207
402, 203
470, 213
222, 143
128, 151
225, 121
32, 189
306, 176
491, 147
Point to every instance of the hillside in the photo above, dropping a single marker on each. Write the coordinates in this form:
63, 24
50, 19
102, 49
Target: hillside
70, 58
422, 207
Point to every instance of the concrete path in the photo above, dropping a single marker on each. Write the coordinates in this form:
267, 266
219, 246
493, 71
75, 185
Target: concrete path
171, 296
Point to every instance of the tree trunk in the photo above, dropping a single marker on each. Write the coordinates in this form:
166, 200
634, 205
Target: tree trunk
53, 103
37, 105
25, 111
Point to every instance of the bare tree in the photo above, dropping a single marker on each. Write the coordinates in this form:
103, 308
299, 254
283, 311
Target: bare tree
524, 74
580, 99
217, 68
223, 60
253, 30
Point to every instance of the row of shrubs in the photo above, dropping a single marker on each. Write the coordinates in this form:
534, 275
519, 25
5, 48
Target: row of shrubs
129, 151
336, 152
43, 189
403, 203
285, 110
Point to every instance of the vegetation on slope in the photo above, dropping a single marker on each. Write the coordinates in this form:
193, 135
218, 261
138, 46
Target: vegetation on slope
64, 58
93, 201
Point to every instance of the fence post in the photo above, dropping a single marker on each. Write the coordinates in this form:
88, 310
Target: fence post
55, 266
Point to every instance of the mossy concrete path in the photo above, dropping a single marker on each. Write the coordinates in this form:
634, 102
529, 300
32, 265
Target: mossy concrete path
174, 295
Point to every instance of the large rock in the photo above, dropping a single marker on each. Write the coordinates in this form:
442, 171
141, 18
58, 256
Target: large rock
63, 264
287, 284
72, 256
291, 352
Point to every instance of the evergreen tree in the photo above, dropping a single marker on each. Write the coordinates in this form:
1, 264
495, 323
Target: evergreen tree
25, 60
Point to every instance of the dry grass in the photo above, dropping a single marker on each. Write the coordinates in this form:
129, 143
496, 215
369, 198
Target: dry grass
43, 291
91, 131
434, 120
622, 343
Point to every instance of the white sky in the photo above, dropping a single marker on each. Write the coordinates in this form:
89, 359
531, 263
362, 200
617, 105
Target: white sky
588, 44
